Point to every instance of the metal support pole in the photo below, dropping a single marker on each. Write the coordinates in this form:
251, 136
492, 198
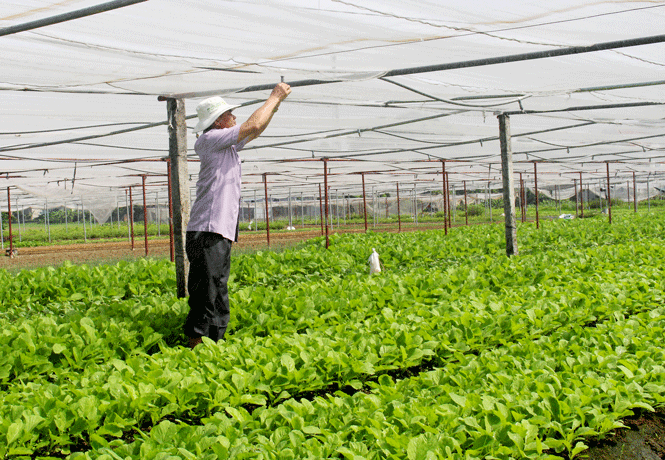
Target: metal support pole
634, 193
9, 218
131, 216
399, 213
508, 185
581, 197
364, 201
448, 205
85, 232
522, 199
321, 208
145, 218
535, 184
265, 186
648, 194
609, 198
325, 186
466, 207
171, 240
445, 197
158, 212
129, 233
577, 210
48, 222
2, 229
290, 214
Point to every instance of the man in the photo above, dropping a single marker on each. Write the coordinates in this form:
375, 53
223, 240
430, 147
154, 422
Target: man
213, 224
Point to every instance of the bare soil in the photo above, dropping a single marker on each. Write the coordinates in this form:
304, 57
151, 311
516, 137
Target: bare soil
642, 439
100, 252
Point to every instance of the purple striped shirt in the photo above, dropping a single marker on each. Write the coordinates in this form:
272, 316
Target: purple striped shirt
217, 201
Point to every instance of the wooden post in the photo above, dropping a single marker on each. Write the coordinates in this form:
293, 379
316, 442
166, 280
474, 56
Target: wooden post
265, 185
179, 188
609, 198
325, 186
145, 219
508, 185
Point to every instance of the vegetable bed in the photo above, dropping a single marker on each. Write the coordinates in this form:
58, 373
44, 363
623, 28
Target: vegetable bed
453, 351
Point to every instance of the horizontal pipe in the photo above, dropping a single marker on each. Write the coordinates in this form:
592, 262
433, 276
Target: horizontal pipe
451, 66
68, 16
585, 107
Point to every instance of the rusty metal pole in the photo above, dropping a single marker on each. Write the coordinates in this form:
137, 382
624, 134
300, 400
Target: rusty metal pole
131, 216
399, 213
145, 218
535, 184
321, 208
265, 185
466, 207
581, 197
577, 210
364, 201
634, 193
9, 209
325, 186
450, 219
171, 239
445, 196
609, 198
522, 197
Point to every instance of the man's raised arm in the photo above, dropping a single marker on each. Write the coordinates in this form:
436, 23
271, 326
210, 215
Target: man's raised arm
258, 122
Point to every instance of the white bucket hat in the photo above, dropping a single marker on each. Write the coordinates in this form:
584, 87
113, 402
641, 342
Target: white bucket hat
209, 110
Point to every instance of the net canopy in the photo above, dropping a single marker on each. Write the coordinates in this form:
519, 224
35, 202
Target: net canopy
396, 88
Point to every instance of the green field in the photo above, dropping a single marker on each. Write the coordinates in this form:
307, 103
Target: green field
33, 234
453, 351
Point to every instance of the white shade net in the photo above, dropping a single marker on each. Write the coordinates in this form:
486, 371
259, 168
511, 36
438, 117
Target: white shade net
83, 94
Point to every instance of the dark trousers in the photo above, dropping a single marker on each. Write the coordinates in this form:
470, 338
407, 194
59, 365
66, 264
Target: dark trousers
209, 257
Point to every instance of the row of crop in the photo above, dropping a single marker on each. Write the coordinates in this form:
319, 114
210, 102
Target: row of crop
259, 370
94, 331
35, 292
534, 399
418, 287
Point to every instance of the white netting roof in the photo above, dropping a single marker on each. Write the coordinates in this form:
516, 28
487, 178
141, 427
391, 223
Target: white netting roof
74, 94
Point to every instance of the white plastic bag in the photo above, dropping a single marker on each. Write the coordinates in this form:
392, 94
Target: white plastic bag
374, 263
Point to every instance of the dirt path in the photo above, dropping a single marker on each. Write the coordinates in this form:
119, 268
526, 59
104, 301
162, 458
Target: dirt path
112, 252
